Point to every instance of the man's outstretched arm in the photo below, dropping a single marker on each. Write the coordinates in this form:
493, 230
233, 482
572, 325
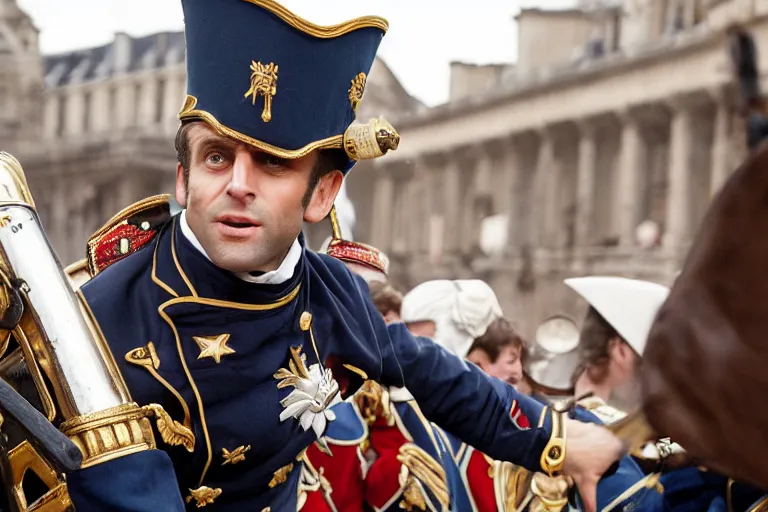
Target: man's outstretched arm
490, 415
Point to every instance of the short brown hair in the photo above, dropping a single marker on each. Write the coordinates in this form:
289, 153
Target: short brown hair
499, 335
594, 347
386, 297
328, 160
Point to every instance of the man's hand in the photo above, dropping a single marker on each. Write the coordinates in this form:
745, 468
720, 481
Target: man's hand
589, 451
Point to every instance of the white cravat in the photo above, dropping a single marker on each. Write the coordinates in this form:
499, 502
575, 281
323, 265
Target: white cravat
282, 274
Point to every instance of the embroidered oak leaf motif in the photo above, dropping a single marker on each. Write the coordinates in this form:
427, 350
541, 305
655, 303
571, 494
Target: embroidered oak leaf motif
280, 476
264, 83
203, 496
234, 456
172, 432
356, 90
315, 392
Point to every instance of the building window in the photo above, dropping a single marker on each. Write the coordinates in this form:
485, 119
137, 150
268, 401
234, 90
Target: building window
159, 97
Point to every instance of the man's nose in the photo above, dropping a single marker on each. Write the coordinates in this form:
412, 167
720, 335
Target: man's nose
240, 186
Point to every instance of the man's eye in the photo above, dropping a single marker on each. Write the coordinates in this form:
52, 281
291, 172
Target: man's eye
271, 161
215, 159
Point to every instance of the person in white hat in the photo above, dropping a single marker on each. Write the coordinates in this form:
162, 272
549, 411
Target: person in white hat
452, 313
612, 341
613, 334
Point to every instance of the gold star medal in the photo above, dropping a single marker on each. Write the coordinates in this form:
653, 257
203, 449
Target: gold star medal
213, 346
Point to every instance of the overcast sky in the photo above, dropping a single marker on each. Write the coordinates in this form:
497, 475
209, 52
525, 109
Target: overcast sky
424, 37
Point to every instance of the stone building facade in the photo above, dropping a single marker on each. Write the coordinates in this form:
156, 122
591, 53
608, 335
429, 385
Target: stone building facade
596, 153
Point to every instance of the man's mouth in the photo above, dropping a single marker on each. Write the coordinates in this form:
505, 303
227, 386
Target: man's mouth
238, 222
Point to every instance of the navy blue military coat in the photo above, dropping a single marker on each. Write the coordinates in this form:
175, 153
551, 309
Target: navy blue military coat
243, 367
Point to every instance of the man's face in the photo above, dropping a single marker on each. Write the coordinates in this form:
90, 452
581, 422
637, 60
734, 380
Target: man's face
507, 368
245, 206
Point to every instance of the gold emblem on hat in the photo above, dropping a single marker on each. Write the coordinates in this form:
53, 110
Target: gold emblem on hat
356, 91
263, 82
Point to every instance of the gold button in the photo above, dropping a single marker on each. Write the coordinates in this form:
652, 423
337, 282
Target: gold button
305, 322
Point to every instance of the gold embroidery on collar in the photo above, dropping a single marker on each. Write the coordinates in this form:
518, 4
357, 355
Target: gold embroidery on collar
281, 476
156, 279
282, 301
356, 91
264, 83
176, 260
203, 495
213, 346
235, 456
147, 358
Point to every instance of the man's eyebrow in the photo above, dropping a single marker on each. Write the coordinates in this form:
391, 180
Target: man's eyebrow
218, 140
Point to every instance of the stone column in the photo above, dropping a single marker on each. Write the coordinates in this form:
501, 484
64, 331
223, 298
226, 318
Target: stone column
629, 182
507, 181
541, 208
452, 204
172, 102
585, 184
678, 198
383, 215
479, 187
720, 167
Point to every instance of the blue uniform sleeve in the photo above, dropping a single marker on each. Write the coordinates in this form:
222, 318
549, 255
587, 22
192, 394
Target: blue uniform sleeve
457, 396
481, 411
141, 482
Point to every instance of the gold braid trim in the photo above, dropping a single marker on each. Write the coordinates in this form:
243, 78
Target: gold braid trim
553, 456
110, 434
123, 430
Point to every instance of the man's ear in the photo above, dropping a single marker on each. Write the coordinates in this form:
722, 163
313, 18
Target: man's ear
323, 197
181, 189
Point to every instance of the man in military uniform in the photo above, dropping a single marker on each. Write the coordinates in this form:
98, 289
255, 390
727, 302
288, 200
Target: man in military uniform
612, 341
222, 316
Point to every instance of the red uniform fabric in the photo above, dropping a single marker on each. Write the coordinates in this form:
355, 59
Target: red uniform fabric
478, 477
382, 481
343, 474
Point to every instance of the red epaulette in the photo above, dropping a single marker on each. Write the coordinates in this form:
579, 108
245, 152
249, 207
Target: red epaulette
127, 232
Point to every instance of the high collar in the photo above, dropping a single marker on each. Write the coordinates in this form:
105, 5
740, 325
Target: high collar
280, 275
184, 271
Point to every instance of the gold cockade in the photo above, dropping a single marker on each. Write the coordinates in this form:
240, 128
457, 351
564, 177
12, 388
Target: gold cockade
203, 496
234, 456
356, 91
263, 82
213, 346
